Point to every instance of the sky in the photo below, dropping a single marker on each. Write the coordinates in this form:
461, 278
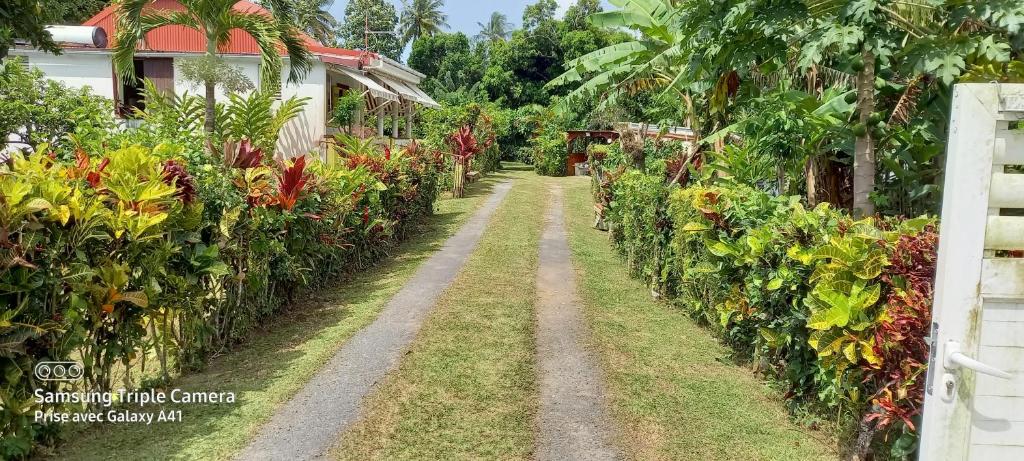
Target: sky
463, 15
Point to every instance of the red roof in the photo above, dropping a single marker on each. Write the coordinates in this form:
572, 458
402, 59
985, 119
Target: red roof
181, 39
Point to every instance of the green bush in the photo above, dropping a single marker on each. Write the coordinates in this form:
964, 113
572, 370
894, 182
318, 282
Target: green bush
550, 156
487, 124
834, 308
46, 111
144, 258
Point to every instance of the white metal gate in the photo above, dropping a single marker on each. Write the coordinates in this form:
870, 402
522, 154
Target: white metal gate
974, 402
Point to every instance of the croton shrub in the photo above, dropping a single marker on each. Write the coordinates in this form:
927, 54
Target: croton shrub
485, 124
836, 309
143, 261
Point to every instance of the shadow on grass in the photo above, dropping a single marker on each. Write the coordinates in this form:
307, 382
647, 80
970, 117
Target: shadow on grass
516, 166
277, 360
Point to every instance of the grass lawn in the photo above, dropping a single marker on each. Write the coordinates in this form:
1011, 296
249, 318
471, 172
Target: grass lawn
273, 364
466, 389
672, 387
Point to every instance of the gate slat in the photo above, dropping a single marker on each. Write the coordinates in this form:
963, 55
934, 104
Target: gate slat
994, 408
1009, 148
1002, 432
1007, 191
1004, 233
998, 451
1000, 279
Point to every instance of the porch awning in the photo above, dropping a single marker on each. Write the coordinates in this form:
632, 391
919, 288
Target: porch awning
373, 87
425, 99
408, 91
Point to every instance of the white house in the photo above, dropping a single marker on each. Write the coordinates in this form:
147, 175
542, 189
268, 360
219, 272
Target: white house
390, 89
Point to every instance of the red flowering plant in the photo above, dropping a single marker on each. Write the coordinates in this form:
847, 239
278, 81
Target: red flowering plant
290, 184
464, 144
83, 169
464, 147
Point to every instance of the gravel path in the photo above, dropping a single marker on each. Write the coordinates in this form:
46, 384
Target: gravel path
573, 421
310, 423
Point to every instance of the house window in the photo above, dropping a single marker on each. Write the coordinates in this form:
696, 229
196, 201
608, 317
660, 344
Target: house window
337, 91
159, 71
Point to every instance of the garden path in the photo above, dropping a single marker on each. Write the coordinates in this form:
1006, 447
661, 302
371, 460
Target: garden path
573, 421
310, 423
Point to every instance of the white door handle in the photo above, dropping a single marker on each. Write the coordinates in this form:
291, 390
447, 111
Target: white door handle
955, 358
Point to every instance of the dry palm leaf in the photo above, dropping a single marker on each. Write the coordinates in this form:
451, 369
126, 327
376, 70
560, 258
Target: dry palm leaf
908, 101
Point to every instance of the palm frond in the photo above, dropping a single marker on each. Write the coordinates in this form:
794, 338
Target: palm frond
134, 25
908, 101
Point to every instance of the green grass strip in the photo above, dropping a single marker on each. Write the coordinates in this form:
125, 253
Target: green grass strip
274, 364
672, 387
466, 389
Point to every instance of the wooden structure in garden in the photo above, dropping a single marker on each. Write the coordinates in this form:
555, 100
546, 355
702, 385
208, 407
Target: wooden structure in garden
578, 150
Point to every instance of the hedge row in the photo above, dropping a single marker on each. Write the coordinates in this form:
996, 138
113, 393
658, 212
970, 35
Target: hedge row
835, 308
141, 261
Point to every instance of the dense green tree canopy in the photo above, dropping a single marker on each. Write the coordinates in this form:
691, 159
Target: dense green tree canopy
382, 17
519, 68
577, 16
449, 62
538, 13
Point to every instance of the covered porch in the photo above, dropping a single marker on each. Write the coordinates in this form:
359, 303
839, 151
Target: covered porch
389, 108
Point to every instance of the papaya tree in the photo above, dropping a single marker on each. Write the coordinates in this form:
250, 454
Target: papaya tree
938, 40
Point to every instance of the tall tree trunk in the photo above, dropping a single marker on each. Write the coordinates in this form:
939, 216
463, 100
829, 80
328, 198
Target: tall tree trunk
210, 104
864, 147
811, 171
210, 123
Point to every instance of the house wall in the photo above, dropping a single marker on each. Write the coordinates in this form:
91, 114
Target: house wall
76, 70
248, 65
304, 133
93, 69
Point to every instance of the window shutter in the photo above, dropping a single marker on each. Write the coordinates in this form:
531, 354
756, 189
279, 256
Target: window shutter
161, 72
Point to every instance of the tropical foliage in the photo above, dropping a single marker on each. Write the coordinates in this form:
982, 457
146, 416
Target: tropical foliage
897, 59
465, 135
834, 308
140, 255
43, 111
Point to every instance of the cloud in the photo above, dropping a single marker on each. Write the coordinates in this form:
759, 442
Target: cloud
564, 5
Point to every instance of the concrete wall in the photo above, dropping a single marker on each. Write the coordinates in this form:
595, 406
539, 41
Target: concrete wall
304, 133
76, 70
249, 66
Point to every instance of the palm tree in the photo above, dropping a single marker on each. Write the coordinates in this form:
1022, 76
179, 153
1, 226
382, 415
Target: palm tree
421, 18
312, 17
215, 19
497, 28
